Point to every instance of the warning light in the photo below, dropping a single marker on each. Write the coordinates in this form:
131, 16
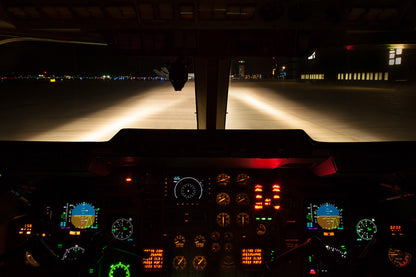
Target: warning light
276, 196
154, 262
258, 188
277, 207
349, 47
312, 272
258, 206
128, 179
251, 256
329, 234
259, 196
276, 188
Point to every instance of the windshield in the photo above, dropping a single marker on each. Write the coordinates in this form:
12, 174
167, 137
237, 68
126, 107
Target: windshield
71, 92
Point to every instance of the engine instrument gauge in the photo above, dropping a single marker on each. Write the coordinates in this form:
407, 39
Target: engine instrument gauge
242, 199
261, 229
122, 229
243, 219
215, 236
73, 253
120, 269
242, 179
223, 199
228, 236
199, 263
179, 241
366, 229
188, 189
215, 247
223, 219
179, 262
223, 179
228, 246
399, 258
199, 241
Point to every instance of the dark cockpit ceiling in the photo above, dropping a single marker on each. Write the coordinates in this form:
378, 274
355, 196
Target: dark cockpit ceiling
222, 28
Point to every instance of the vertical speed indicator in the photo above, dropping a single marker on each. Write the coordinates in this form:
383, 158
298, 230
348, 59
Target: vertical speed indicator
366, 229
122, 229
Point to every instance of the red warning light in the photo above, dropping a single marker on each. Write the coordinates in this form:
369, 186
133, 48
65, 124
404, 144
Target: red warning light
276, 188
277, 207
349, 47
258, 188
258, 206
128, 179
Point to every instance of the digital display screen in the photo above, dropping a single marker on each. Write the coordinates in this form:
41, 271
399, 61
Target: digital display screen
185, 189
325, 216
77, 216
154, 262
251, 256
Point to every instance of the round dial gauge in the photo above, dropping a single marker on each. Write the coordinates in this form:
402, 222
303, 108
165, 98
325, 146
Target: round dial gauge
399, 258
119, 269
188, 189
243, 219
122, 229
223, 219
242, 199
73, 253
215, 236
179, 241
242, 179
179, 262
223, 179
366, 229
261, 229
199, 263
223, 199
228, 262
228, 236
199, 241
215, 247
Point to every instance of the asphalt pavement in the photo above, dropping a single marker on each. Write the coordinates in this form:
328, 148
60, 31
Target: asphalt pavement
96, 111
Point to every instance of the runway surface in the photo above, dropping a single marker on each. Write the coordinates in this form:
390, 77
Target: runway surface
97, 110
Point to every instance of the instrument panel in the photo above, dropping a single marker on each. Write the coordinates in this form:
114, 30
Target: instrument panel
181, 222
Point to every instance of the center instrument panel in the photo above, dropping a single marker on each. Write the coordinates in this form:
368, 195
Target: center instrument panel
210, 213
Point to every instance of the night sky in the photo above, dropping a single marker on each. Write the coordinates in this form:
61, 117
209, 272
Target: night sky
59, 58
33, 58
